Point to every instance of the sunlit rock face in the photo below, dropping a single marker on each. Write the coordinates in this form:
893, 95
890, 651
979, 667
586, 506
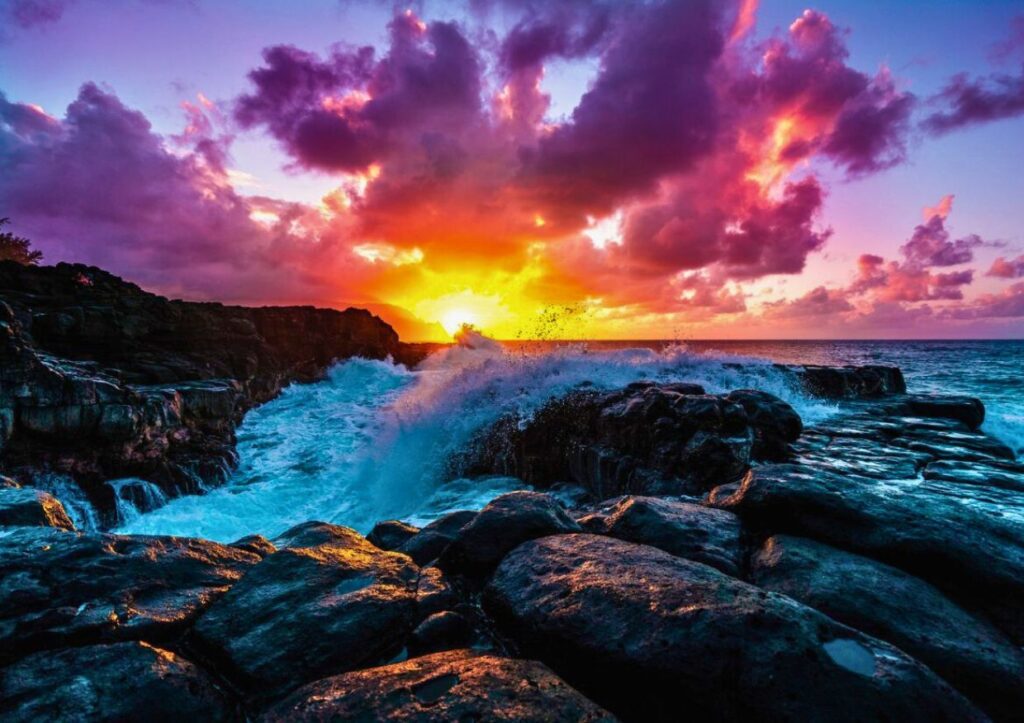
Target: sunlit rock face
326, 602
64, 588
456, 685
28, 507
640, 630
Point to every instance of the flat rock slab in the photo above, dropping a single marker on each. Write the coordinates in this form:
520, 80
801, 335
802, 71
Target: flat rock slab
27, 507
450, 686
119, 682
309, 611
963, 537
684, 529
887, 603
59, 587
660, 637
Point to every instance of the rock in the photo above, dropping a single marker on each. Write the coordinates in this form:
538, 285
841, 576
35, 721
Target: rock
101, 380
775, 423
966, 539
644, 439
427, 545
968, 410
26, 507
446, 630
391, 534
896, 607
851, 382
1007, 476
59, 588
505, 523
256, 544
684, 529
450, 686
119, 682
433, 593
643, 633
305, 612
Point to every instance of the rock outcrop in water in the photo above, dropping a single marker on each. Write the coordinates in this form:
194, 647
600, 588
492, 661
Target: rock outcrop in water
100, 380
722, 561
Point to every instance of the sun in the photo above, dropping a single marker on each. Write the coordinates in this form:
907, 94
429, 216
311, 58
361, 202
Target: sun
454, 319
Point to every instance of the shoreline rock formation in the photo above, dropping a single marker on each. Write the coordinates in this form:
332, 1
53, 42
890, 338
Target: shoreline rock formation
101, 380
723, 560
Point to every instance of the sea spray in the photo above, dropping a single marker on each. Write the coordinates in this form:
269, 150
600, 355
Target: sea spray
373, 440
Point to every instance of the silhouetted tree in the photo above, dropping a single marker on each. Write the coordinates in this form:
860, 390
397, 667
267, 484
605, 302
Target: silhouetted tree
16, 248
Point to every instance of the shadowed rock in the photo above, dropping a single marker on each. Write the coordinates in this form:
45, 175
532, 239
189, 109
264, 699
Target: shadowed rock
644, 632
505, 523
909, 613
684, 529
427, 545
851, 382
59, 588
451, 686
391, 534
309, 611
24, 507
445, 630
119, 682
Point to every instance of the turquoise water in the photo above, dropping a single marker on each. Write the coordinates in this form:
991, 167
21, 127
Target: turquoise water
371, 441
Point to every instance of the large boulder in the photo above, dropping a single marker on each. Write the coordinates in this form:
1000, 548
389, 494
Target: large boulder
650, 635
118, 682
967, 539
505, 523
851, 382
26, 507
427, 544
391, 534
59, 587
968, 410
774, 422
909, 613
328, 601
450, 686
685, 529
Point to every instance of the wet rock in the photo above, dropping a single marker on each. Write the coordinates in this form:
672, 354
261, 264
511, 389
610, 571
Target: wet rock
25, 507
505, 523
446, 630
391, 534
257, 544
967, 539
644, 632
450, 686
59, 588
909, 613
852, 382
643, 439
427, 545
775, 423
433, 593
1007, 476
309, 611
119, 682
968, 410
684, 529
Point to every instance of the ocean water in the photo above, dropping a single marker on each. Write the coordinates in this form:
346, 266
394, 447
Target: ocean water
371, 441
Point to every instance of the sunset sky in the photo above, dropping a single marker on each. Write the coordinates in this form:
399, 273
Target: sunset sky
690, 169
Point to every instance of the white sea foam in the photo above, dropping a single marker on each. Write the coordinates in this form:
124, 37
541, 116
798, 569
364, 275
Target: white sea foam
372, 440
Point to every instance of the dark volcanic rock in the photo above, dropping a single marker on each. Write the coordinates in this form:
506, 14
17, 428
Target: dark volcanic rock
684, 529
21, 507
427, 545
967, 539
505, 523
119, 682
391, 534
651, 635
451, 686
445, 630
775, 423
909, 613
101, 380
851, 382
309, 611
644, 439
964, 409
1006, 475
59, 588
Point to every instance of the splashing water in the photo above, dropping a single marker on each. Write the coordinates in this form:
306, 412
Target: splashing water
372, 440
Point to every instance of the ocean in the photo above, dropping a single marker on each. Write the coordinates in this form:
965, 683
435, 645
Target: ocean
372, 440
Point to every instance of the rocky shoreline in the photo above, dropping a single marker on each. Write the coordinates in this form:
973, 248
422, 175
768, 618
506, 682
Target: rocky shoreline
723, 560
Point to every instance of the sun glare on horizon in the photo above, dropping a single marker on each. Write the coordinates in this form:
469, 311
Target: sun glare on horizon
455, 319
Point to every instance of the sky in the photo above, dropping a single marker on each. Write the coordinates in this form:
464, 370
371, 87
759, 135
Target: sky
682, 169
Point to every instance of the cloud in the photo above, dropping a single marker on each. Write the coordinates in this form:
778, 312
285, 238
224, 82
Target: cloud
1005, 268
968, 101
35, 13
1008, 303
